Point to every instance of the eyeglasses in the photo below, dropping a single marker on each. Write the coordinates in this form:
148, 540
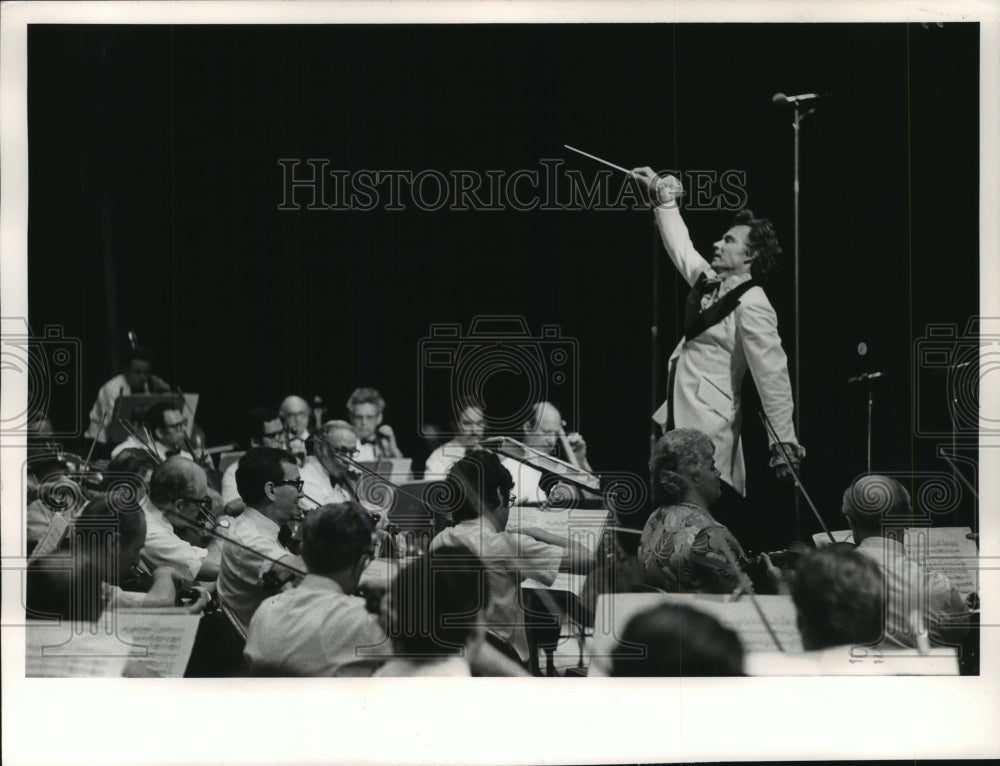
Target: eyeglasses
274, 434
183, 423
297, 483
346, 451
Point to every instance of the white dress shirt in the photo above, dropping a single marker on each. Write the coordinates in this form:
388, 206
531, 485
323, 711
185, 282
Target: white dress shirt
242, 586
164, 548
314, 629
317, 485
509, 558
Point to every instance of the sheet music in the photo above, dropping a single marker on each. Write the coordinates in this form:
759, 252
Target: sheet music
854, 661
583, 526
614, 611
947, 550
567, 581
379, 573
162, 642
938, 549
820, 540
66, 650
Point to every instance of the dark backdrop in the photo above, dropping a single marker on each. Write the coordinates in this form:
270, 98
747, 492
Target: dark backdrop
155, 186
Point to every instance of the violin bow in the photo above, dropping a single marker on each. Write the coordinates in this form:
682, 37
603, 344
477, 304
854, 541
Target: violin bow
795, 474
747, 586
146, 447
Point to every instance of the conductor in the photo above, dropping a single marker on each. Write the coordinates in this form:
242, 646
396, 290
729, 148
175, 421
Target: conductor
729, 325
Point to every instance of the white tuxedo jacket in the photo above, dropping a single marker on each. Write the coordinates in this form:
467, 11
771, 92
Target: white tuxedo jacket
708, 370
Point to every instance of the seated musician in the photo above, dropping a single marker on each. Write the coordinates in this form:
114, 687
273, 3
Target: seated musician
542, 432
166, 423
365, 410
875, 506
683, 549
295, 413
178, 503
136, 378
327, 477
484, 488
471, 426
102, 546
838, 595
262, 427
677, 641
257, 565
433, 614
318, 628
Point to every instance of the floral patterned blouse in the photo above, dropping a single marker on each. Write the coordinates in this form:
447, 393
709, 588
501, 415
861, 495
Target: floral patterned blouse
682, 551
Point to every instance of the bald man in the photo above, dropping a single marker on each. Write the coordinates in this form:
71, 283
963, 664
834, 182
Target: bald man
295, 413
875, 506
178, 511
326, 475
542, 432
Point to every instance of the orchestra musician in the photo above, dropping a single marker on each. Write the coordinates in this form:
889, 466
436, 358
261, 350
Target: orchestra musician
471, 426
178, 496
682, 545
480, 525
730, 326
166, 423
319, 628
136, 378
262, 427
269, 484
365, 410
328, 479
295, 413
544, 432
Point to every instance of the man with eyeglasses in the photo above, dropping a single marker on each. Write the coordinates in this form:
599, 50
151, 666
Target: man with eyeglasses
178, 516
295, 412
254, 564
328, 478
262, 427
166, 423
543, 432
376, 439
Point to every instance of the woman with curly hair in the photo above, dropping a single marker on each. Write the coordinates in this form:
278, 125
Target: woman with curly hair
683, 549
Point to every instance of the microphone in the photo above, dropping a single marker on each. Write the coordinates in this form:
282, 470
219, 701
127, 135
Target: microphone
781, 99
866, 377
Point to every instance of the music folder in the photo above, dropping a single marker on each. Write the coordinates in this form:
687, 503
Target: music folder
547, 464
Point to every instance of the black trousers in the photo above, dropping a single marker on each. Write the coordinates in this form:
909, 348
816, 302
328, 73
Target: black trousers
752, 531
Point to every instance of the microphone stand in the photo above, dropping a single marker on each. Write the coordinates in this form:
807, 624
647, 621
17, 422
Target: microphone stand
796, 124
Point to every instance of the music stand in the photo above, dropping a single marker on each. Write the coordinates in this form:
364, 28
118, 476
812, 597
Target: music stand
132, 408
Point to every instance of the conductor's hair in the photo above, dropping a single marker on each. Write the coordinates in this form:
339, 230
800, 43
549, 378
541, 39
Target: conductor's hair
762, 243
678, 453
366, 395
